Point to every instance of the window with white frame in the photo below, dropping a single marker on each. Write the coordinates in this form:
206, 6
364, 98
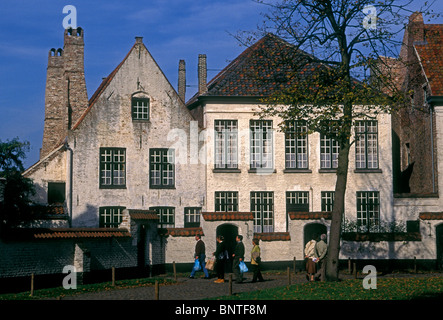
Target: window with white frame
329, 146
296, 145
192, 217
366, 145
327, 200
110, 217
297, 201
166, 216
262, 208
161, 168
112, 168
368, 211
226, 201
261, 145
226, 150
140, 109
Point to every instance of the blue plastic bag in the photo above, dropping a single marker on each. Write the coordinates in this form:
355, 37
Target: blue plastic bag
243, 267
197, 266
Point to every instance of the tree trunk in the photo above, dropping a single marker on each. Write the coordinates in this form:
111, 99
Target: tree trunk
337, 214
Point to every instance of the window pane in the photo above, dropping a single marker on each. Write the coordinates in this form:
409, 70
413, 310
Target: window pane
261, 145
327, 200
226, 201
192, 217
140, 109
262, 207
366, 147
166, 216
112, 167
226, 144
162, 167
368, 211
110, 217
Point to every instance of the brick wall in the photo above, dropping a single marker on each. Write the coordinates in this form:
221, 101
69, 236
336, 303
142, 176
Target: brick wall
20, 258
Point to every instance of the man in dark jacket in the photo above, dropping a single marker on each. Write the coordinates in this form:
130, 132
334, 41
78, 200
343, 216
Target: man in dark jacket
239, 255
221, 255
200, 255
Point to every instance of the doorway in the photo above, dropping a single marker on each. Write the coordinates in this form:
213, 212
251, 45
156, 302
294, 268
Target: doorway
313, 230
229, 233
439, 239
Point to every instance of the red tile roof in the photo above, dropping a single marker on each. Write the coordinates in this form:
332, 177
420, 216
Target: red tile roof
310, 215
143, 215
430, 52
67, 233
184, 232
53, 211
431, 215
273, 236
227, 216
269, 65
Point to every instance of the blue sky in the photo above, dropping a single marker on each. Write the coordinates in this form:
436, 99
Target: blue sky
171, 30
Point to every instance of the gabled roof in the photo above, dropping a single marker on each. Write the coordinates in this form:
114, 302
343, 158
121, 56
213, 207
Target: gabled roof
430, 53
268, 65
106, 81
57, 150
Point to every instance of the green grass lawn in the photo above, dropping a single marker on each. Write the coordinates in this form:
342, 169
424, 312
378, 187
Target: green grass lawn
387, 289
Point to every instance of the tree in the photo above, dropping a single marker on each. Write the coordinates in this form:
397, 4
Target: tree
15, 208
346, 45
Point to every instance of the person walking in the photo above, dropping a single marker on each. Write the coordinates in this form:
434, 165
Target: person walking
320, 252
238, 256
256, 261
200, 254
221, 255
309, 256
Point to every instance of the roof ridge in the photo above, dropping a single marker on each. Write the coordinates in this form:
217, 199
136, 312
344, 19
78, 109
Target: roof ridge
101, 88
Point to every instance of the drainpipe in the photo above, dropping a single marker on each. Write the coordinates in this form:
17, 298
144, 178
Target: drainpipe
431, 108
71, 160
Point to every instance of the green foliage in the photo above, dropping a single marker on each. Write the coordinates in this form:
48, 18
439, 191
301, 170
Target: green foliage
15, 209
346, 70
12, 153
382, 227
350, 72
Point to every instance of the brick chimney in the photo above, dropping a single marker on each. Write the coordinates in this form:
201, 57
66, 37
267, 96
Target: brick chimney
77, 97
65, 97
56, 112
202, 74
182, 80
414, 32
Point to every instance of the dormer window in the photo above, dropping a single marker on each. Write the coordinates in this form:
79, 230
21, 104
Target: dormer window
140, 109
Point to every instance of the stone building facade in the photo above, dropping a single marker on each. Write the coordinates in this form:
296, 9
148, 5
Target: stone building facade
283, 181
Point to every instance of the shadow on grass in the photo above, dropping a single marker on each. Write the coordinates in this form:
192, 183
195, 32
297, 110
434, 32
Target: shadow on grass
429, 296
